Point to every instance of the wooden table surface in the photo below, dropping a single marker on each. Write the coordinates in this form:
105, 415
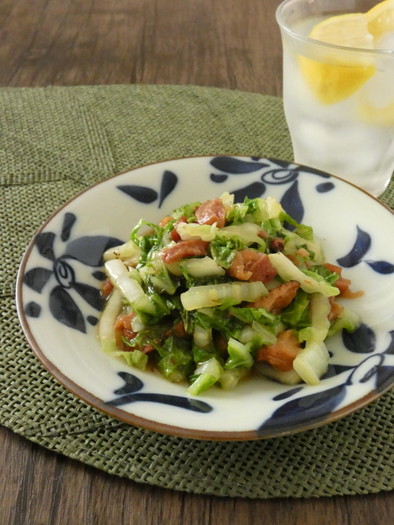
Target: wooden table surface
222, 43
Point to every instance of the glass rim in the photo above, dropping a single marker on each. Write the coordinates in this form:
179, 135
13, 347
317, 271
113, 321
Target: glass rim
326, 45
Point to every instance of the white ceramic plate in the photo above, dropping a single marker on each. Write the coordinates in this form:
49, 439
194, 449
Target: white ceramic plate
59, 304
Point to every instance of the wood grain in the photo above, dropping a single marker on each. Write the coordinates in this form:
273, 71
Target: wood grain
228, 44
231, 44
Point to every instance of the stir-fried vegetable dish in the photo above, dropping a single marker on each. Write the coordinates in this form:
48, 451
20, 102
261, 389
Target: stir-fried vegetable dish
218, 291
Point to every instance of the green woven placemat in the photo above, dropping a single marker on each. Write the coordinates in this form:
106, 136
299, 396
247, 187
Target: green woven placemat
54, 142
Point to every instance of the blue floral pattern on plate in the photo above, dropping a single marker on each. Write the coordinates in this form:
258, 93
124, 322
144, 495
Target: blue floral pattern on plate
59, 300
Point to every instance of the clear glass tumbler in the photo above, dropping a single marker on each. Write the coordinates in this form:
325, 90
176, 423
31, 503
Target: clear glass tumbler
338, 100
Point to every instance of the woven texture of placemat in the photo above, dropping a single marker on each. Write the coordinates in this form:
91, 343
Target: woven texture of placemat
55, 142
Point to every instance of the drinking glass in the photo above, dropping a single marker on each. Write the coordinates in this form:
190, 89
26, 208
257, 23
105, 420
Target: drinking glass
338, 101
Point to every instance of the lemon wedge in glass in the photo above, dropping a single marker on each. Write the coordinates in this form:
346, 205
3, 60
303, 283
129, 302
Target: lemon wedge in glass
380, 116
381, 18
380, 25
335, 76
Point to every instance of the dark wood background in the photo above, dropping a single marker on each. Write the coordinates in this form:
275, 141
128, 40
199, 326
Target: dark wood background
224, 43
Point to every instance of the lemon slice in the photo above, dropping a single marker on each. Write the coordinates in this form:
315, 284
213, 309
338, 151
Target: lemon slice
350, 30
380, 18
334, 77
380, 23
381, 116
